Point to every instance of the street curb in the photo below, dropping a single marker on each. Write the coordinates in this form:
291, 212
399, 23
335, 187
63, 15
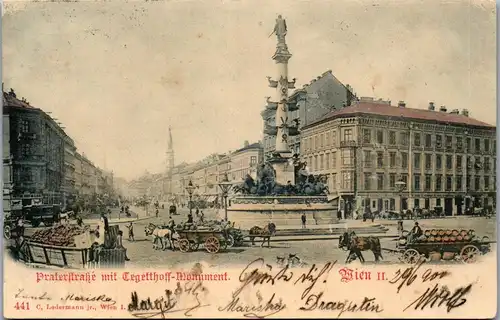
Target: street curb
333, 237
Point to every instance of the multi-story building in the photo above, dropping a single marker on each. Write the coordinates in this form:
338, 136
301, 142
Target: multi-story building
88, 176
306, 105
392, 158
245, 161
78, 174
33, 155
69, 189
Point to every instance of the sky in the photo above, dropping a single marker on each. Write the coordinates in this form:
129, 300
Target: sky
117, 74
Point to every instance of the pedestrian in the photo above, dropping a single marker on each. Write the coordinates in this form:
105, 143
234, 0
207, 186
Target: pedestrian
303, 217
197, 212
20, 227
119, 243
130, 228
190, 218
400, 227
202, 216
157, 212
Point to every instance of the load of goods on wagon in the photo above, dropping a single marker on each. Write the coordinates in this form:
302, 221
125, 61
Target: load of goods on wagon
441, 235
233, 236
62, 235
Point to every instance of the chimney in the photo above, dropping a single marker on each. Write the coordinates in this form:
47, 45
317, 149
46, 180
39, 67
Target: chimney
401, 104
246, 144
442, 109
465, 112
431, 106
455, 111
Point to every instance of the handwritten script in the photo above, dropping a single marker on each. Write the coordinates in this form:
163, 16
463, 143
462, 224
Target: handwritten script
73, 297
436, 295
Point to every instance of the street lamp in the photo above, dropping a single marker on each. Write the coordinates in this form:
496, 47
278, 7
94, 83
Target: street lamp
190, 189
224, 186
400, 186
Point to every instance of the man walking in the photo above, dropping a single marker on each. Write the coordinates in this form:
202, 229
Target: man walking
303, 218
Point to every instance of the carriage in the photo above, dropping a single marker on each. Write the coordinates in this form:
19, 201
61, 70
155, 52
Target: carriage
190, 240
443, 244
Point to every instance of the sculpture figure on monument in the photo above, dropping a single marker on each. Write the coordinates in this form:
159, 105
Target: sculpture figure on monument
280, 29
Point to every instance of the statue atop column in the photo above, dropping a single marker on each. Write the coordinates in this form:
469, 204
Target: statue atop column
280, 29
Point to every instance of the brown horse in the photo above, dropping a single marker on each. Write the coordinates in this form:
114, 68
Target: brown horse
354, 244
265, 233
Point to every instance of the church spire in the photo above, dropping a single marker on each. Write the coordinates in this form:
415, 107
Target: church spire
170, 141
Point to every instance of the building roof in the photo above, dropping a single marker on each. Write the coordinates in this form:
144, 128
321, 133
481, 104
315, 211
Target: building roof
255, 145
381, 109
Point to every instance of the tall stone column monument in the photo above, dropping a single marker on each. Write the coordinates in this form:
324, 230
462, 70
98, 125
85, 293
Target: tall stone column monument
282, 154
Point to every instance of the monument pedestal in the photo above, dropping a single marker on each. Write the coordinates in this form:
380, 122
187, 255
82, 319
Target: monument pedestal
249, 211
284, 171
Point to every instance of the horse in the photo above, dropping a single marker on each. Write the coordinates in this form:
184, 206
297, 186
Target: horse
160, 235
265, 233
356, 244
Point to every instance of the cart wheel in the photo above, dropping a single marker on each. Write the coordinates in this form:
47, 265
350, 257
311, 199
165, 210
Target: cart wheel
469, 253
194, 245
184, 245
230, 241
212, 245
411, 256
7, 232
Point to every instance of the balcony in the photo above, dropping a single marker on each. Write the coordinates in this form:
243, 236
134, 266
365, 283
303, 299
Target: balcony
348, 144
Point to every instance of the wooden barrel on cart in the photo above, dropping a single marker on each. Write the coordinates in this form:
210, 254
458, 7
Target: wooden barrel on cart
431, 239
453, 238
448, 256
460, 238
438, 239
434, 232
446, 239
467, 238
455, 232
448, 232
463, 233
434, 256
427, 233
441, 232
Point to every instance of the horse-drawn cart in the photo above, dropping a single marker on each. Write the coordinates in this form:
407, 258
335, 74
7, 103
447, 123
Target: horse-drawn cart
441, 244
190, 240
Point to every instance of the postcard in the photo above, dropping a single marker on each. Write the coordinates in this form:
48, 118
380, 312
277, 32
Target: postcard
249, 159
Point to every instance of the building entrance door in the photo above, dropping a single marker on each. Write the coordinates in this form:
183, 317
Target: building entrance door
448, 206
459, 204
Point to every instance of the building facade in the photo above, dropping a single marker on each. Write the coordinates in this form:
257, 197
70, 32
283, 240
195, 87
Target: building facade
33, 155
69, 188
390, 158
306, 105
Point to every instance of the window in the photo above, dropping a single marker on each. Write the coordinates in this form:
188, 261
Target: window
428, 182
367, 136
469, 163
477, 145
449, 162
449, 142
327, 158
334, 138
428, 140
348, 135
486, 145
334, 160
380, 159
467, 183
392, 159
487, 164
477, 183
428, 161
416, 161
392, 138
416, 182
367, 159
380, 181
321, 162
458, 183
494, 146
458, 163
439, 162
316, 165
316, 142
468, 144
380, 136
404, 160
459, 143
416, 138
486, 182
327, 138
439, 183
253, 160
392, 204
346, 157
25, 126
392, 180
439, 141
368, 177
403, 138
449, 183
404, 178
346, 180
322, 140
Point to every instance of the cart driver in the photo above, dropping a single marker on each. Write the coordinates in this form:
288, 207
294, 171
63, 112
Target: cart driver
171, 223
415, 233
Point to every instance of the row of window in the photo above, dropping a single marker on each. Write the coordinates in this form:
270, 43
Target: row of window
451, 183
329, 139
328, 161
